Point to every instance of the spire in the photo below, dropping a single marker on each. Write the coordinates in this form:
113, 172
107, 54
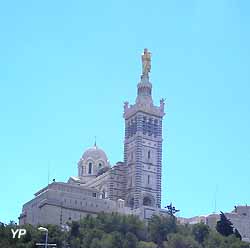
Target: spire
144, 87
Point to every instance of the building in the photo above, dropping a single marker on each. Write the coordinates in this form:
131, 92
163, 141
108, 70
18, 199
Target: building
240, 218
129, 187
192, 220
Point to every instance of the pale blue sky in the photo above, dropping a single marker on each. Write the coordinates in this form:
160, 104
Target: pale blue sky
66, 67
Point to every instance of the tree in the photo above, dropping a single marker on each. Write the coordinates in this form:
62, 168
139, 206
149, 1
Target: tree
107, 241
55, 235
76, 243
237, 234
224, 225
75, 229
159, 227
95, 243
117, 239
130, 240
143, 244
121, 231
214, 240
200, 232
177, 240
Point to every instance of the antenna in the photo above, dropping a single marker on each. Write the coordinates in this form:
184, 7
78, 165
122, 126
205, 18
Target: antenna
215, 198
48, 172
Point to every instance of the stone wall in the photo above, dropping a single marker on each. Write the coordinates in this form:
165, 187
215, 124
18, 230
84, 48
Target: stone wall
60, 202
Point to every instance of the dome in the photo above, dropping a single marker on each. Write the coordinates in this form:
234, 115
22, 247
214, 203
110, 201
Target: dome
93, 162
95, 153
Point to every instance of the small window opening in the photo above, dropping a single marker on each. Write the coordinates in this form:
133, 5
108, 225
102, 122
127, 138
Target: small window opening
90, 168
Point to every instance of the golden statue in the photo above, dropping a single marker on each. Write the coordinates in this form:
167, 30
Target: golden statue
146, 62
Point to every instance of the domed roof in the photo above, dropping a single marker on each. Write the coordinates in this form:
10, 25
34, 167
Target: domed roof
95, 153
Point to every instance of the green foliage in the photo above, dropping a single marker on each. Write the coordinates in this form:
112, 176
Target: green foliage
200, 232
130, 240
75, 229
177, 240
237, 234
185, 230
224, 226
159, 227
143, 244
122, 231
217, 240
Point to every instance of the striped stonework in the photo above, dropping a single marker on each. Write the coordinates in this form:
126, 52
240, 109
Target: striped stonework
143, 148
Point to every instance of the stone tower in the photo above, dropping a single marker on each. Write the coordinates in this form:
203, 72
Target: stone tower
143, 144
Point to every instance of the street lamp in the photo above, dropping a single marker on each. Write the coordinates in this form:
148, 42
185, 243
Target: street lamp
43, 229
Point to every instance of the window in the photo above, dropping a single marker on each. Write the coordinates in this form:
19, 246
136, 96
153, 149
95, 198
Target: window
149, 154
103, 194
131, 203
150, 127
94, 194
90, 168
155, 128
148, 179
147, 201
100, 165
144, 124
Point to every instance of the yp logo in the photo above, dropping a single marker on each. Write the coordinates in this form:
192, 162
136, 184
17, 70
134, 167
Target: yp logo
20, 232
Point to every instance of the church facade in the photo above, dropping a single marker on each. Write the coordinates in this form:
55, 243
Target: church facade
129, 187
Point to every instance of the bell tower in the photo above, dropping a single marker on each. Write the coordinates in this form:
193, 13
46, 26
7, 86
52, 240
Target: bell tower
143, 143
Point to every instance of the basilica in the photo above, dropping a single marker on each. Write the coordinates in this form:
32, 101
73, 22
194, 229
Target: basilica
132, 186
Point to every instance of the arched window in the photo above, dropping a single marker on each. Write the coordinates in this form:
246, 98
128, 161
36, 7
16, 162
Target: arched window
147, 201
103, 195
131, 203
149, 154
100, 165
90, 168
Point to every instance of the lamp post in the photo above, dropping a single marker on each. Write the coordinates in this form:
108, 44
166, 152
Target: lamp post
43, 229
